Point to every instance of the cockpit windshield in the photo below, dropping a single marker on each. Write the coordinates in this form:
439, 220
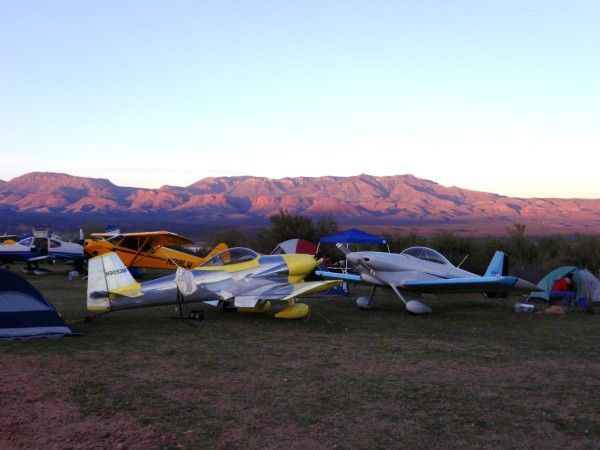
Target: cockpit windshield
230, 256
26, 242
426, 254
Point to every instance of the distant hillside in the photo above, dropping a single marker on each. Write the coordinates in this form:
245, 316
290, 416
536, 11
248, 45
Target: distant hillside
401, 202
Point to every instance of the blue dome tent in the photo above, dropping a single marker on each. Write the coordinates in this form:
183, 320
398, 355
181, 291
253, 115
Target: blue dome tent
25, 313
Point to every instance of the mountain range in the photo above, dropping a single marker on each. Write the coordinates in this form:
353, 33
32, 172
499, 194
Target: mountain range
400, 202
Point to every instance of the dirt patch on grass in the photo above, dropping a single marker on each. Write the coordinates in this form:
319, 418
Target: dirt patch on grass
38, 412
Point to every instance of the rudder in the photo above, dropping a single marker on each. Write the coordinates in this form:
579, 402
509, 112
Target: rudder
498, 266
108, 275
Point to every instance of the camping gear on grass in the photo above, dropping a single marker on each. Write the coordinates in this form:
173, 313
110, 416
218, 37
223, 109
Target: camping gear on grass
586, 285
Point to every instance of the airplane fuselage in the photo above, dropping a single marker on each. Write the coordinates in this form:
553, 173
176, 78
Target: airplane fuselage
238, 275
372, 265
31, 248
138, 251
161, 258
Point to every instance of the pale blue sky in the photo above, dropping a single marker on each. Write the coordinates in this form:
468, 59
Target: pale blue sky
495, 96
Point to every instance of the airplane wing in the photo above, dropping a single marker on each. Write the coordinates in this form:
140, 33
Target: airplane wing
470, 285
155, 238
279, 291
434, 285
257, 298
311, 287
339, 276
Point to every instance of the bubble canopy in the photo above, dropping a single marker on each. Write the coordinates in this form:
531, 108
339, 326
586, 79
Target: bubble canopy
426, 254
230, 256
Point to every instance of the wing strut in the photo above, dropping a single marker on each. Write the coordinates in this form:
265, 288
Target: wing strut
139, 251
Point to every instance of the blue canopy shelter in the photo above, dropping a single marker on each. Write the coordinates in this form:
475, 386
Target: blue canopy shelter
354, 236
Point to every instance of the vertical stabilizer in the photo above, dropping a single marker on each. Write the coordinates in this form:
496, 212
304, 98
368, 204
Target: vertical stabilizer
498, 266
108, 275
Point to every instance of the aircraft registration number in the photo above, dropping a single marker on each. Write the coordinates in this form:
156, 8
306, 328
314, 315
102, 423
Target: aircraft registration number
115, 272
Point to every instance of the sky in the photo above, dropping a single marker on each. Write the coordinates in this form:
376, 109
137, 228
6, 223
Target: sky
495, 96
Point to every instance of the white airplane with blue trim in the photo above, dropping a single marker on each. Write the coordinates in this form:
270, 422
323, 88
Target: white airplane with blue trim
422, 270
40, 247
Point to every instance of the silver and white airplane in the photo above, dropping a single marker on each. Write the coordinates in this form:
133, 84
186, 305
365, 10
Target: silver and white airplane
234, 278
419, 270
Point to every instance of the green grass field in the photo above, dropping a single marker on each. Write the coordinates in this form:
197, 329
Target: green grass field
473, 374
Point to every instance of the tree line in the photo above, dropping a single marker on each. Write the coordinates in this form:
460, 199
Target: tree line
529, 258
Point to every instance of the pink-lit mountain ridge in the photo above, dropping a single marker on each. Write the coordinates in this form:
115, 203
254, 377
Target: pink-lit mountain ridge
401, 200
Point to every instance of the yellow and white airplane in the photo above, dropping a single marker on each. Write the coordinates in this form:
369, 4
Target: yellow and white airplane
234, 278
147, 249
